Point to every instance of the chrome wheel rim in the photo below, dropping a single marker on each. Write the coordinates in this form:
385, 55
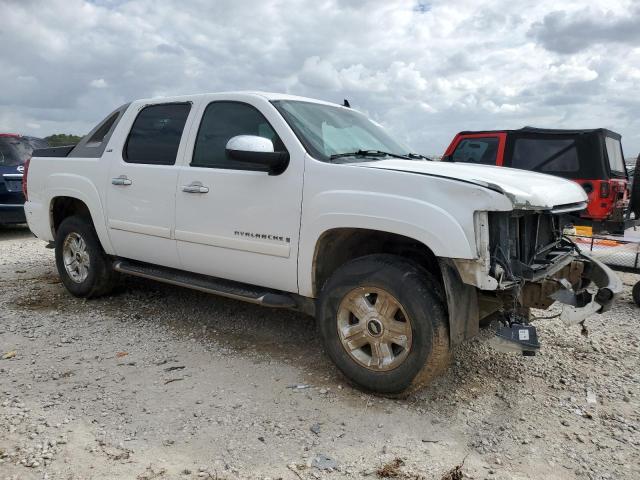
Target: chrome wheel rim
76, 257
374, 329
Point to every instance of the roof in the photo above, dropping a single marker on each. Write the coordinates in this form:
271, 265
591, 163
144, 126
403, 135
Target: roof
266, 95
551, 131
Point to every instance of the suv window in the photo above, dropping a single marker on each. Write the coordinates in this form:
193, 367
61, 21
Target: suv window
614, 152
155, 135
220, 122
14, 151
477, 150
546, 155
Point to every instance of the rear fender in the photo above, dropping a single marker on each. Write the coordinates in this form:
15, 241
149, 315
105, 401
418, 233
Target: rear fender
79, 187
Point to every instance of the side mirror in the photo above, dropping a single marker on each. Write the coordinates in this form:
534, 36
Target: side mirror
257, 150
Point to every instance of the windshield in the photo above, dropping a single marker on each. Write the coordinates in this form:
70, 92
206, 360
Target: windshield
327, 131
614, 152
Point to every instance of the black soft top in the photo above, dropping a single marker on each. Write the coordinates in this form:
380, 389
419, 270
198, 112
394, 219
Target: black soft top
550, 131
583, 156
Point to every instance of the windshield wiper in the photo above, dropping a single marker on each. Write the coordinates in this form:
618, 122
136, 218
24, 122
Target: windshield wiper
367, 153
417, 156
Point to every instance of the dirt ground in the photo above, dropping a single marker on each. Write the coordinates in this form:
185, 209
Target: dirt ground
158, 382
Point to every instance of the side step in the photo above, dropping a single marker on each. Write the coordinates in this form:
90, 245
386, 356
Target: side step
204, 283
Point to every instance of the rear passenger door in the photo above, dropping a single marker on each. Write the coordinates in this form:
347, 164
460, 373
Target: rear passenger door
142, 183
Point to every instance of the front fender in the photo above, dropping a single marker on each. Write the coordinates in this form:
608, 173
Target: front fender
389, 213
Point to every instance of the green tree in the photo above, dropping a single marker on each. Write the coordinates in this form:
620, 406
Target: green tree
62, 139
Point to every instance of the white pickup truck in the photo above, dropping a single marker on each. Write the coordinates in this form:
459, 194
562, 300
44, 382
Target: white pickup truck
296, 203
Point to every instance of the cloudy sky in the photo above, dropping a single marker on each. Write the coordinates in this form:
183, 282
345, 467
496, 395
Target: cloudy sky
426, 69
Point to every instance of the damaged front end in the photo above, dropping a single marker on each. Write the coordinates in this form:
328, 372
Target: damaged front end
526, 262
536, 265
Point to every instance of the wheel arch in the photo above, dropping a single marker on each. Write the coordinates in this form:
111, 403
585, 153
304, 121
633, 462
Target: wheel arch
65, 202
337, 246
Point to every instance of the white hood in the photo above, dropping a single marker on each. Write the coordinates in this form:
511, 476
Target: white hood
526, 190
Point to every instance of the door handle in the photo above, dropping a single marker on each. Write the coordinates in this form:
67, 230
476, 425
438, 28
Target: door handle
195, 187
121, 180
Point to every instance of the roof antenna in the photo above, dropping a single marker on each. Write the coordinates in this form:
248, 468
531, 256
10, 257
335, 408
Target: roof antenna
346, 103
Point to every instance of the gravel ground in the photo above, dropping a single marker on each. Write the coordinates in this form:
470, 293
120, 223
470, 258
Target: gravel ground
158, 382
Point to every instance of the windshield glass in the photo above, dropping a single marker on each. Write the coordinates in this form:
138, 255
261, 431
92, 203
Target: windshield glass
614, 152
327, 130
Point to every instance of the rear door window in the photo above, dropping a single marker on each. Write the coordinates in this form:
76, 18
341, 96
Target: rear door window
477, 150
155, 136
548, 155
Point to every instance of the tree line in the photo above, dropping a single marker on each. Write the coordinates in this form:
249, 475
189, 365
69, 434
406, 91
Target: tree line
62, 139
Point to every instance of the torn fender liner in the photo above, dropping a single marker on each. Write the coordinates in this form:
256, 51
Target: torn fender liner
608, 283
578, 307
462, 304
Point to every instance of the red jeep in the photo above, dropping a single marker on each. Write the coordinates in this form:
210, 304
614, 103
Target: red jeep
593, 158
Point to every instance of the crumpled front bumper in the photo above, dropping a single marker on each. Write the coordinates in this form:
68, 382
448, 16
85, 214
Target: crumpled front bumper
580, 305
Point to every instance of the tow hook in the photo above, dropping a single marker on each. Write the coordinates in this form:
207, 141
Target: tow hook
516, 336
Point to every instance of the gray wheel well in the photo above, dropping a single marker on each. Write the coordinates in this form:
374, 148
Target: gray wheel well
338, 246
63, 207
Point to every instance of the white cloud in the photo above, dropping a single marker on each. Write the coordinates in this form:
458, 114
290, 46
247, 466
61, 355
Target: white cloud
98, 83
424, 69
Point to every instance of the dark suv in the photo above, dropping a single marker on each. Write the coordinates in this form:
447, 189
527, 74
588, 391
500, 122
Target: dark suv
14, 151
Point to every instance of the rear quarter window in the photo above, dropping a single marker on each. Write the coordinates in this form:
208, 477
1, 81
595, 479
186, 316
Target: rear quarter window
614, 152
547, 155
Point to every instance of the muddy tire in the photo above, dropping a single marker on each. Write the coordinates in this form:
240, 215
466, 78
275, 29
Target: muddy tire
85, 270
635, 293
383, 323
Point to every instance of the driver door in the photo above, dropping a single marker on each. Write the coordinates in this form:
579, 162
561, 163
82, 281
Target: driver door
233, 219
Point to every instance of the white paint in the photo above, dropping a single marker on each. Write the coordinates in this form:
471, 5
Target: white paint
153, 220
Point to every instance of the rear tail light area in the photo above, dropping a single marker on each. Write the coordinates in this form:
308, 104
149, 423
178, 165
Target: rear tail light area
588, 187
25, 175
605, 189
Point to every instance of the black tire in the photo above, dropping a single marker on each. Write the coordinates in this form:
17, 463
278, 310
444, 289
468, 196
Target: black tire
101, 277
635, 293
634, 203
419, 294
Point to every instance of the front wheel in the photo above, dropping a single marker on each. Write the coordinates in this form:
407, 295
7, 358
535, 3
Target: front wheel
84, 268
383, 323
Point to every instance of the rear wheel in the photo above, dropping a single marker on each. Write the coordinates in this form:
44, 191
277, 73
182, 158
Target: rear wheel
84, 268
383, 323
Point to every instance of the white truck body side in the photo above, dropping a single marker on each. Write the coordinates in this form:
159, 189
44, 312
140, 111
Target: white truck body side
261, 229
294, 203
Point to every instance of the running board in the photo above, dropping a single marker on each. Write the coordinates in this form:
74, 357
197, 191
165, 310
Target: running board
204, 283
